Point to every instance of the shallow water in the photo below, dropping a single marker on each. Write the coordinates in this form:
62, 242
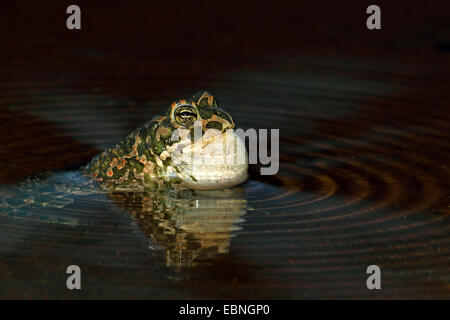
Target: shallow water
192, 227
363, 180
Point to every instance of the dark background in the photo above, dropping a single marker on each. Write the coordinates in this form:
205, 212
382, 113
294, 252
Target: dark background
180, 44
363, 117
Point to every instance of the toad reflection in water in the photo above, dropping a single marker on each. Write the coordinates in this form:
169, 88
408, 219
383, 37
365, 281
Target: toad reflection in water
193, 226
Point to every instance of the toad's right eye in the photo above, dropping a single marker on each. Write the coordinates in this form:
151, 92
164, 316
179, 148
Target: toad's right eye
185, 115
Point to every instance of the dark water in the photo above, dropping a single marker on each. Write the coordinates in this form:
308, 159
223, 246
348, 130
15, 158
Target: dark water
191, 227
363, 180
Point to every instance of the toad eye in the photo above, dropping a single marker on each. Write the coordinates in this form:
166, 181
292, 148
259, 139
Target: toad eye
185, 115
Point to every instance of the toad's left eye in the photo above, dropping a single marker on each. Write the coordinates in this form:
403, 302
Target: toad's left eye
185, 115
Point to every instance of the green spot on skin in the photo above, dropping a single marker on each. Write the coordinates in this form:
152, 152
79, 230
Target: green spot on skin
167, 162
136, 164
203, 102
149, 156
205, 112
118, 173
167, 184
214, 125
175, 180
151, 185
141, 148
121, 152
158, 147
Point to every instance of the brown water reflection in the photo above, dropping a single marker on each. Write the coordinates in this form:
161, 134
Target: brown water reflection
193, 227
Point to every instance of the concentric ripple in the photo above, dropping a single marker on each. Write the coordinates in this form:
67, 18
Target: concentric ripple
363, 179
